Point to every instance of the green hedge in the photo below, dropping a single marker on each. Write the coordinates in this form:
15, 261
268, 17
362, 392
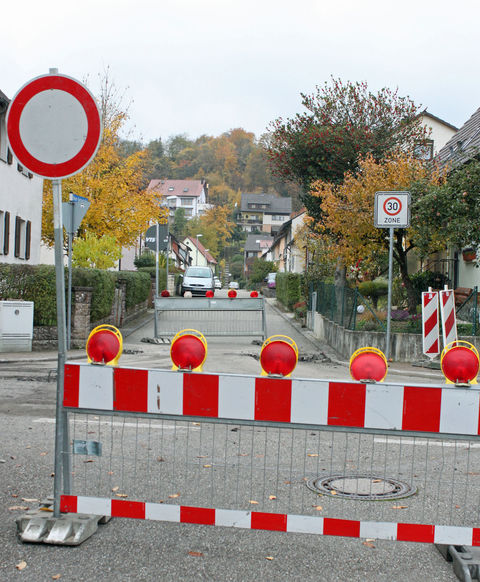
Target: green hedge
31, 283
138, 286
103, 290
162, 276
289, 288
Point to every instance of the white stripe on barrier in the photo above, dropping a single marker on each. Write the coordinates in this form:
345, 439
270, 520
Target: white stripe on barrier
162, 512
94, 505
236, 397
305, 524
459, 415
383, 530
384, 406
444, 534
233, 518
97, 387
309, 402
165, 392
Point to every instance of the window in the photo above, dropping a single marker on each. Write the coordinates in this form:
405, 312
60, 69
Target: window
278, 217
185, 189
170, 189
187, 201
23, 233
424, 151
3, 139
6, 234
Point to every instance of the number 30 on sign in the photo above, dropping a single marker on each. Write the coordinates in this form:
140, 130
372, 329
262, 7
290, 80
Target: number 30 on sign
392, 209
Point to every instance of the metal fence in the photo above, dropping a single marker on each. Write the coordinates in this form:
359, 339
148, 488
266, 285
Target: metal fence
211, 316
467, 315
339, 304
342, 458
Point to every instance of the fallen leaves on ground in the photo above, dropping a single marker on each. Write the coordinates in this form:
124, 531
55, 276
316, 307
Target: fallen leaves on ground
272, 497
121, 494
160, 459
253, 502
196, 554
207, 466
27, 500
318, 507
312, 454
369, 544
333, 492
43, 454
56, 576
269, 558
174, 495
18, 507
116, 488
49, 509
399, 506
21, 565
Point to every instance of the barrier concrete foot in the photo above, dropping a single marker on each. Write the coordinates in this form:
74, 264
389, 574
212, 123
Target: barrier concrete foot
70, 529
465, 561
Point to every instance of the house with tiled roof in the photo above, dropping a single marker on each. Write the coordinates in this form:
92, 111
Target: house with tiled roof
255, 246
200, 256
20, 204
263, 212
464, 144
191, 195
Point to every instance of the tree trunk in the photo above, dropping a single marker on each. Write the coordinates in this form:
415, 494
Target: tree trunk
401, 257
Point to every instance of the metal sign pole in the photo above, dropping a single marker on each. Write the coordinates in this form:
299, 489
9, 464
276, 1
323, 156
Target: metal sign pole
389, 301
69, 293
155, 323
61, 426
168, 240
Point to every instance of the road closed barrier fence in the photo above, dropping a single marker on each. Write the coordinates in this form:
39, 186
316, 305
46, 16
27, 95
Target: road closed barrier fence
213, 316
358, 459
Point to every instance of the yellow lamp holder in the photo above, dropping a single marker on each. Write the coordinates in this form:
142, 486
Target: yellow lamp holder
114, 331
189, 333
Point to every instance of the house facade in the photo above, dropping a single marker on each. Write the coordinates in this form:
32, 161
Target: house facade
263, 212
200, 256
20, 204
285, 251
191, 195
255, 246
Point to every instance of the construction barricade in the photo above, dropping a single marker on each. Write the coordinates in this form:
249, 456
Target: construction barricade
213, 316
375, 460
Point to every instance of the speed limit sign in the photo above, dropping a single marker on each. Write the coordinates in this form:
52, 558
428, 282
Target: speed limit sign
392, 209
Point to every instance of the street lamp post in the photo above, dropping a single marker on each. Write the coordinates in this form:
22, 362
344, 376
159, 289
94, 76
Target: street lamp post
196, 259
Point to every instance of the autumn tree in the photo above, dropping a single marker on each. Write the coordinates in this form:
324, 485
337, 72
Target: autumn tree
112, 182
96, 252
348, 211
215, 226
342, 122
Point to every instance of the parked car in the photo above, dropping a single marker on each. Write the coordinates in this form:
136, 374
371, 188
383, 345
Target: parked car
218, 283
197, 280
272, 280
233, 285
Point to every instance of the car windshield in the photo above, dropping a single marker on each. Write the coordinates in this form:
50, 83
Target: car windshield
199, 272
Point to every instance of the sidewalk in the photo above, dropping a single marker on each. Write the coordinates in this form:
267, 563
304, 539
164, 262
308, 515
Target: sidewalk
74, 354
395, 368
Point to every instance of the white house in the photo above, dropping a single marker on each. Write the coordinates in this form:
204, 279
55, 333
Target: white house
198, 253
191, 195
20, 204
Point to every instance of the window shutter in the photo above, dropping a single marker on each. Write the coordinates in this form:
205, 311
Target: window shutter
28, 237
16, 251
6, 234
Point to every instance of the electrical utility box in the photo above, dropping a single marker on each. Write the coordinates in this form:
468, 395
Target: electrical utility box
16, 326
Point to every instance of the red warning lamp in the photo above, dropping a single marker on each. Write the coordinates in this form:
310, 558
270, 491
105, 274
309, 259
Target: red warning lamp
232, 293
254, 294
209, 293
368, 364
188, 350
460, 363
104, 345
278, 356
165, 293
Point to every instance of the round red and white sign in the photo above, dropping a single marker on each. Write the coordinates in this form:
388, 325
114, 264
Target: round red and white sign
54, 126
392, 206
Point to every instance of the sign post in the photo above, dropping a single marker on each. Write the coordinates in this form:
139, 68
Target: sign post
54, 129
392, 210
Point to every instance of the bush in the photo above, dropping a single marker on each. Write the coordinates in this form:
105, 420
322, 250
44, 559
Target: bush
373, 290
31, 283
103, 290
162, 276
138, 286
289, 288
146, 259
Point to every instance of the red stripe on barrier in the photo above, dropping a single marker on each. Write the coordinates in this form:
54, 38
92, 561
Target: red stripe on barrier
433, 349
134, 509
200, 515
415, 532
476, 536
341, 527
346, 404
130, 390
421, 409
68, 503
273, 399
200, 394
270, 521
431, 323
71, 385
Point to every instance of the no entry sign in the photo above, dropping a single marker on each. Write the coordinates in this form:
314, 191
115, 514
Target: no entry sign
54, 126
392, 209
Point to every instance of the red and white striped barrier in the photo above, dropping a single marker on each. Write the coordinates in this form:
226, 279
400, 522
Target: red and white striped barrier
449, 320
430, 326
409, 532
437, 409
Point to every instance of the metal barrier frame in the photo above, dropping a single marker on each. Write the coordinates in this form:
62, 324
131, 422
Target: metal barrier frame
212, 304
430, 411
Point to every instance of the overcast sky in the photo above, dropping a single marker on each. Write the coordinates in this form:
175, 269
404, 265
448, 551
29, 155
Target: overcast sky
207, 66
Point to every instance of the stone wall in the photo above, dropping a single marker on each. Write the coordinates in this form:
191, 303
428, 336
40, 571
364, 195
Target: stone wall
404, 347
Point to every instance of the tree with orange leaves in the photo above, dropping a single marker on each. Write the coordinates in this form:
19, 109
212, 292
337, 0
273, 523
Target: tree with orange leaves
348, 212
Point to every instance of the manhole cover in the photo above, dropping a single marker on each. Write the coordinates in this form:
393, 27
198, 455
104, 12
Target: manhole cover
368, 487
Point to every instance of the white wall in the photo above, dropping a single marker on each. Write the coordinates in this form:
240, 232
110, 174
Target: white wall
440, 133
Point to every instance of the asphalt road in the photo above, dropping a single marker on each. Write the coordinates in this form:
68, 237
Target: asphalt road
130, 550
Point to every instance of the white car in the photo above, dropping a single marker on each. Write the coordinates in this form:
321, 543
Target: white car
218, 283
233, 285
